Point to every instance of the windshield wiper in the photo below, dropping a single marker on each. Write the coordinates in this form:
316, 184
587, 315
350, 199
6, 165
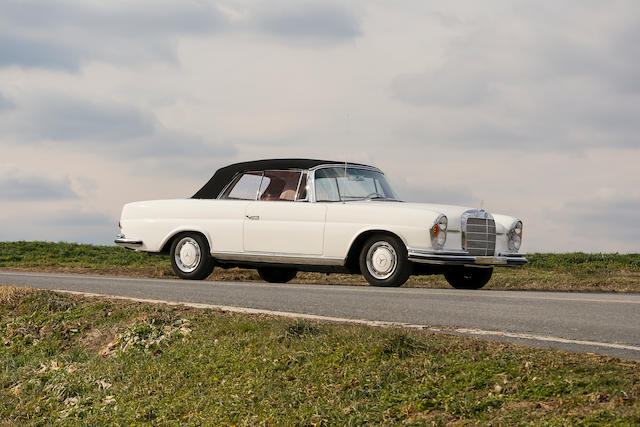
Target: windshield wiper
360, 199
387, 199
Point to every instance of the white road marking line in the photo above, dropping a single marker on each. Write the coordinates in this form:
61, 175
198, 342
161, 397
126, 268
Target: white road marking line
481, 332
375, 323
445, 292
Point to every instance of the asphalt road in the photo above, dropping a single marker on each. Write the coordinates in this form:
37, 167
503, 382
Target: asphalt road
583, 322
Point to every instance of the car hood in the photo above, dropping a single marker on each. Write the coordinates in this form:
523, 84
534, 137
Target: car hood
452, 212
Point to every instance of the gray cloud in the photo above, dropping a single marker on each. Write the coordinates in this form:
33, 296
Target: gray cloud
606, 218
67, 34
107, 128
80, 219
316, 22
450, 86
439, 194
543, 83
65, 119
470, 133
36, 53
5, 103
15, 186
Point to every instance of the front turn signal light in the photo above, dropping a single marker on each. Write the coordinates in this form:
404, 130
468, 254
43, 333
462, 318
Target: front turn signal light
438, 232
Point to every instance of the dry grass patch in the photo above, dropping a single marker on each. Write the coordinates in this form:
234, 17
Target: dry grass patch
11, 294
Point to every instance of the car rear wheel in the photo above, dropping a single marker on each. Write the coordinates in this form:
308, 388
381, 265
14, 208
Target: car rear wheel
468, 277
190, 257
384, 262
276, 275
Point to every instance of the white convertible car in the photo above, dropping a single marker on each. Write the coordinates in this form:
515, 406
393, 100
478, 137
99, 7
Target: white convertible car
282, 216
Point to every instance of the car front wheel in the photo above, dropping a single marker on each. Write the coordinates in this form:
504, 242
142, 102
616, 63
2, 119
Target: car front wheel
276, 275
384, 262
190, 257
468, 277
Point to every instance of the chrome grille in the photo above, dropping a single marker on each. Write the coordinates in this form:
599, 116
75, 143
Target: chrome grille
478, 233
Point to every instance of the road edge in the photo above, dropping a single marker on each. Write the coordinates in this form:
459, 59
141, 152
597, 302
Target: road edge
470, 332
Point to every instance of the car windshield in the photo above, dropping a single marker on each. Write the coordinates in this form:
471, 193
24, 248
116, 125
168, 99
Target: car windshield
342, 185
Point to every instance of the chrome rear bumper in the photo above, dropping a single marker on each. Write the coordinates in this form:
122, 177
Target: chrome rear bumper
128, 243
463, 258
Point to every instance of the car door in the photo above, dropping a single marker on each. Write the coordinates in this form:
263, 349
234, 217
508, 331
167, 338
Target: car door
227, 214
281, 221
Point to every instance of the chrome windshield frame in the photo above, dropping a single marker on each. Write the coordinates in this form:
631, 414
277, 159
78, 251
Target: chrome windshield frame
311, 180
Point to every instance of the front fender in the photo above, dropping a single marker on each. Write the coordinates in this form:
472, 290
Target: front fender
345, 223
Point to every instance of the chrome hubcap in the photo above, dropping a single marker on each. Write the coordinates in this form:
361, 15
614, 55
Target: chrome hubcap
381, 260
187, 254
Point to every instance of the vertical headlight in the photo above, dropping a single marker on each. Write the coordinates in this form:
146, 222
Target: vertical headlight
439, 232
514, 236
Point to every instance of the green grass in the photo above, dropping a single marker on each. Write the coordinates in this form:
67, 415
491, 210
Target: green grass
68, 359
49, 254
585, 263
561, 272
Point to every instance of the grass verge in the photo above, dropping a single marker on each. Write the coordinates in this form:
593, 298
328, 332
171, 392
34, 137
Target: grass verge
558, 272
68, 359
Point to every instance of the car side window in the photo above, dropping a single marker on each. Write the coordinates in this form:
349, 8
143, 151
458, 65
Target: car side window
326, 186
244, 187
279, 185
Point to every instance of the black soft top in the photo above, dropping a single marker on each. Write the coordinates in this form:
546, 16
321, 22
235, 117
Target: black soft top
221, 178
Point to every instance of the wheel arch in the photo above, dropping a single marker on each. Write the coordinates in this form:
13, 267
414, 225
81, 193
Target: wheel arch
351, 262
168, 241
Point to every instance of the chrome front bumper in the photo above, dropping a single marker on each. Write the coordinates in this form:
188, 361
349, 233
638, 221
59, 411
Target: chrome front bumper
463, 258
128, 243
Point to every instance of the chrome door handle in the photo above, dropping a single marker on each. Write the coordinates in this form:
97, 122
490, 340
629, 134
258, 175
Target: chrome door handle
253, 217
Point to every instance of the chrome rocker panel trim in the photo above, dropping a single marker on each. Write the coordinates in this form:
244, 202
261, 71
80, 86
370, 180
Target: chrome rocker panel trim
463, 258
277, 258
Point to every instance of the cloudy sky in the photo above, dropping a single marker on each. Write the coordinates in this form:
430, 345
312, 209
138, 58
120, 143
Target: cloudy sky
527, 108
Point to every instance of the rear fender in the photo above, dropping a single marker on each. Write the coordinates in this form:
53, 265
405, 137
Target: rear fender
166, 242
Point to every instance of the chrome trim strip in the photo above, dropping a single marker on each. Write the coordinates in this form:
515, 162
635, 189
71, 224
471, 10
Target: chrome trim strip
278, 258
128, 243
463, 258
228, 184
259, 186
311, 186
341, 165
305, 175
512, 254
295, 197
437, 252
